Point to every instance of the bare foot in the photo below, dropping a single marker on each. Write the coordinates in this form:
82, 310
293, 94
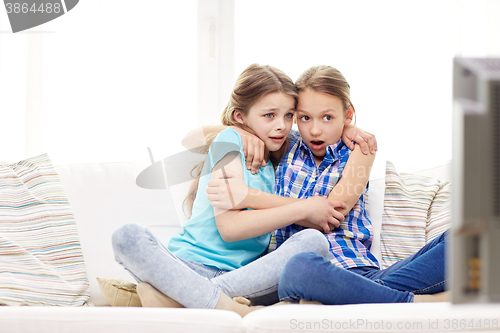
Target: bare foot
227, 303
439, 297
242, 300
152, 298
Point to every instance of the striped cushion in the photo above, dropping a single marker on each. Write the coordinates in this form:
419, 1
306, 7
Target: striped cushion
416, 210
41, 261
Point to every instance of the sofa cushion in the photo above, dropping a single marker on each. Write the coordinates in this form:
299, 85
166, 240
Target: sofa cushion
416, 209
395, 317
107, 319
41, 261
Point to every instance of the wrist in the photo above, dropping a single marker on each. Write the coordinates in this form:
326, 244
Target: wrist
303, 210
251, 199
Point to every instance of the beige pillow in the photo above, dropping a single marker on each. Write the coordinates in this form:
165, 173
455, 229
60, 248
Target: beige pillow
439, 218
119, 292
416, 210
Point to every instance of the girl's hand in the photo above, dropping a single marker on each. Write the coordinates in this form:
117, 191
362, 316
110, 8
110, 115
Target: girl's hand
322, 212
229, 193
365, 140
253, 148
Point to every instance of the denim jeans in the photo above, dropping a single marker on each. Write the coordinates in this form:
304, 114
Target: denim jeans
313, 278
195, 285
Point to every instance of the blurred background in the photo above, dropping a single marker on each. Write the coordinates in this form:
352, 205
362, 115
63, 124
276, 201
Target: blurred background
113, 77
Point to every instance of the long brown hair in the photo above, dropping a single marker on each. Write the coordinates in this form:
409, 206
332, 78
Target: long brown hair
328, 80
252, 84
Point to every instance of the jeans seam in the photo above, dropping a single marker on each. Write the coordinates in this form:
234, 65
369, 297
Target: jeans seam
293, 299
214, 298
261, 292
422, 291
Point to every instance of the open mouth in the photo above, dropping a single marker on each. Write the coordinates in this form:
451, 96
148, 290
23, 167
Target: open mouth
277, 138
317, 144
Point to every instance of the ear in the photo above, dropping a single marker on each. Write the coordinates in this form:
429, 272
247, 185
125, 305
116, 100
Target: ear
349, 116
295, 118
238, 116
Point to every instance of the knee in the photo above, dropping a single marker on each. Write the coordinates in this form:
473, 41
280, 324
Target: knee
126, 237
299, 268
297, 274
315, 241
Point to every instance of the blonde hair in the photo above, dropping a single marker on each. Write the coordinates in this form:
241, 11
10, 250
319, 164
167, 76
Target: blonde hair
253, 83
328, 80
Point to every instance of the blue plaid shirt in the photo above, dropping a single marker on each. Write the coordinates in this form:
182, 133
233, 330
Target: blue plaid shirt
298, 176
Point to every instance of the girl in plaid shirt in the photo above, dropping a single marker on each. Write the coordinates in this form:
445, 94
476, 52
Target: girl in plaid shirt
318, 163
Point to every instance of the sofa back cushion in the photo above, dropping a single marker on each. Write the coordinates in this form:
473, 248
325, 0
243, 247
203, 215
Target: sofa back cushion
105, 196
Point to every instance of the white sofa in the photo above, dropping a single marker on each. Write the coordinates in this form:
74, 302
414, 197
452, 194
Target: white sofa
105, 196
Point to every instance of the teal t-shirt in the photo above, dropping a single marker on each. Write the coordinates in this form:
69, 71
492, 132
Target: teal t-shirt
201, 241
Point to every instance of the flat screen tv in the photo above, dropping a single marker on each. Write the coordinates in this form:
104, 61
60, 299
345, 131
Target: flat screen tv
474, 247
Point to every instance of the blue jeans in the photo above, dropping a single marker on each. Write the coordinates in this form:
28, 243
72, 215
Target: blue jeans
313, 278
195, 285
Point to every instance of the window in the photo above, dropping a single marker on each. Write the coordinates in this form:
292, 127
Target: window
101, 83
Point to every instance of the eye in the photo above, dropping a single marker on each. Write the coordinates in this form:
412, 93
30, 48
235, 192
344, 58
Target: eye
269, 115
304, 118
289, 115
327, 117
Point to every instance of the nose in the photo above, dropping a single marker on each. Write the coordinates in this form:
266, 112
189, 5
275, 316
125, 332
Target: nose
280, 124
315, 129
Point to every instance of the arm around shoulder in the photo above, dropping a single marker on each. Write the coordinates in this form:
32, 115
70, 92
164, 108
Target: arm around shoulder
354, 179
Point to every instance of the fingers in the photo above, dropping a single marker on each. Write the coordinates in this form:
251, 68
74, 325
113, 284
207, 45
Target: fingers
338, 216
366, 142
337, 204
348, 142
362, 144
258, 158
249, 156
254, 149
330, 225
334, 223
372, 143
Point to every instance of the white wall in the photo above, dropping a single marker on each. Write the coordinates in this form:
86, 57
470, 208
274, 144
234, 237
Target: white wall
110, 78
396, 55
101, 83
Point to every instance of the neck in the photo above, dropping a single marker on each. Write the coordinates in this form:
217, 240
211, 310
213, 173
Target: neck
318, 159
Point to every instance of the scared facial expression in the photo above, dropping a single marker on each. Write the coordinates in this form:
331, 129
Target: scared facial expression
321, 119
271, 118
